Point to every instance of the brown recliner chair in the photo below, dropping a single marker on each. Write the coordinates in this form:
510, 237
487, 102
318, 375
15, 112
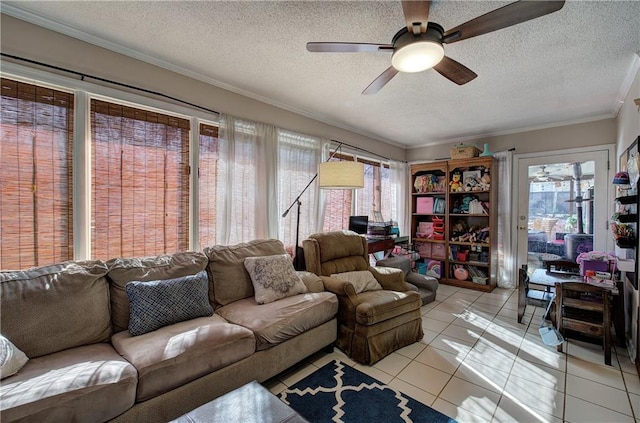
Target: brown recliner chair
371, 324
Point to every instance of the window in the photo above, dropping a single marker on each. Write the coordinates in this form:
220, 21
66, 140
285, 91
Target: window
376, 187
36, 138
208, 169
140, 182
377, 198
136, 198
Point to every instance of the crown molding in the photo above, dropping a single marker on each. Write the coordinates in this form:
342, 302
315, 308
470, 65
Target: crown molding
64, 29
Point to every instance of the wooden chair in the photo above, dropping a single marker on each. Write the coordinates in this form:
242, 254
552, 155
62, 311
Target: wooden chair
529, 296
584, 309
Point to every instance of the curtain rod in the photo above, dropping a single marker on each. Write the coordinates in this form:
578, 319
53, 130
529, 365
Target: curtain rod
109, 81
366, 151
83, 75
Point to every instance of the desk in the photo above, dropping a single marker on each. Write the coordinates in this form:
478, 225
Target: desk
385, 245
548, 280
378, 245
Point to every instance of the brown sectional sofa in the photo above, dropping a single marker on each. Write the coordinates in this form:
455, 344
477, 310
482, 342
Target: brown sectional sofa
71, 320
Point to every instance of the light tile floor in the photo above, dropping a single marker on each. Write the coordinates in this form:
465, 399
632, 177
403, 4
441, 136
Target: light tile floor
477, 364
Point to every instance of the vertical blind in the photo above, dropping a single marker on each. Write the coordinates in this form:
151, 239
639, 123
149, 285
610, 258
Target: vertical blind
140, 182
208, 169
36, 138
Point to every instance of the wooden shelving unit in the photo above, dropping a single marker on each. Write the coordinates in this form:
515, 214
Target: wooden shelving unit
446, 221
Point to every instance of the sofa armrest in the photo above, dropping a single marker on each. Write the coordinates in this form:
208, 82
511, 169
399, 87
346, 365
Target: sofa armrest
311, 281
390, 278
340, 287
422, 281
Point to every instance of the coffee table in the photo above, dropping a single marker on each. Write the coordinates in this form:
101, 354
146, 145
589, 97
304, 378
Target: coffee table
251, 403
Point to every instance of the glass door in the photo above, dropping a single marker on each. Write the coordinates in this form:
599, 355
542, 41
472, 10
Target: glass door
563, 207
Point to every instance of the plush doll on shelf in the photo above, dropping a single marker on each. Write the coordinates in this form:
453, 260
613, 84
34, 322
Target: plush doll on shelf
471, 184
485, 181
455, 182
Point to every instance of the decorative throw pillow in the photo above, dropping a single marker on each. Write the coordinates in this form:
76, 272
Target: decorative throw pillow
273, 278
362, 280
11, 358
155, 304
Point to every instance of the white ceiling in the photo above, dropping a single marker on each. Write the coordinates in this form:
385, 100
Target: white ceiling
569, 66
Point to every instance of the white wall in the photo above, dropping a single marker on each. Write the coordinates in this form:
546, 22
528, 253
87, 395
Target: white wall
628, 129
594, 133
26, 40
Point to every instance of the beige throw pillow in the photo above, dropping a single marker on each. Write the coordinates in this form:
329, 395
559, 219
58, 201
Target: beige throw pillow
362, 280
273, 278
11, 358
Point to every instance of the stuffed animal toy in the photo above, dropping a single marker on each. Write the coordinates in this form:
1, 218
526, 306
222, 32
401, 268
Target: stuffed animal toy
485, 181
466, 200
455, 182
470, 184
458, 229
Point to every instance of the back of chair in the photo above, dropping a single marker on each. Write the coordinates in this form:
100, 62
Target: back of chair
582, 297
585, 309
327, 253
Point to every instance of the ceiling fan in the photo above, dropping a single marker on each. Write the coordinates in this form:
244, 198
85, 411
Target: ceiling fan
419, 45
543, 175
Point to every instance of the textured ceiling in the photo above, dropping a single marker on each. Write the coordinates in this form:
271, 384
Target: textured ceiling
572, 65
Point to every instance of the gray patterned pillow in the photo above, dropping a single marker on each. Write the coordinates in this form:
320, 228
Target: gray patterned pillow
11, 358
273, 278
161, 303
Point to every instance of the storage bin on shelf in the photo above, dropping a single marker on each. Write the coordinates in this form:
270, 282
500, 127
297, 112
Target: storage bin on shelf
462, 151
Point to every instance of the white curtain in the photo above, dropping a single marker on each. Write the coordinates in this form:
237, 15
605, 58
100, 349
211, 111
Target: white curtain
246, 183
400, 199
298, 159
506, 253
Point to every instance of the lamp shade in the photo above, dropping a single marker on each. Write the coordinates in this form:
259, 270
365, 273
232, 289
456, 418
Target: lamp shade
341, 175
621, 178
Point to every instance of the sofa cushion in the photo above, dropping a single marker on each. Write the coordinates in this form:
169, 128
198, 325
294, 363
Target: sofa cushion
67, 304
91, 383
143, 269
362, 280
156, 304
229, 280
176, 354
273, 277
377, 306
276, 322
11, 358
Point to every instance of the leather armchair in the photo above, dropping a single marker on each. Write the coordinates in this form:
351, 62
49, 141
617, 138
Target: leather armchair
371, 324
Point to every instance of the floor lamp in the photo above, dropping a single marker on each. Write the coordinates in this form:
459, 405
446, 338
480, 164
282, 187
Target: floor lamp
331, 175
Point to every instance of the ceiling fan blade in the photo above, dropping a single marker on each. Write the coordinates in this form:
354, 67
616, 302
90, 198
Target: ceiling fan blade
380, 81
321, 47
455, 71
416, 13
503, 17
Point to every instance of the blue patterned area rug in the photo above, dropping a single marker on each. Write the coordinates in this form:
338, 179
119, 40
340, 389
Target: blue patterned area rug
338, 393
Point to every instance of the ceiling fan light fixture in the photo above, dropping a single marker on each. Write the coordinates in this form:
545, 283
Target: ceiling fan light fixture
417, 56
